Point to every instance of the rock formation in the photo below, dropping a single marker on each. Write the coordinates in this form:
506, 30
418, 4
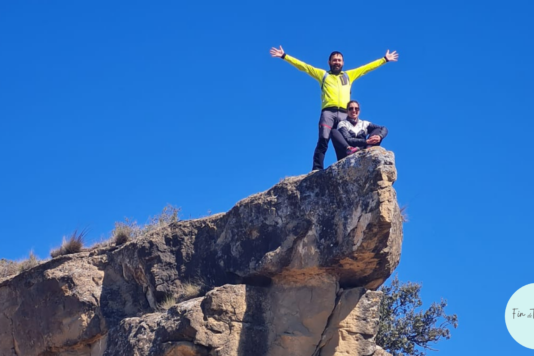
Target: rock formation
291, 271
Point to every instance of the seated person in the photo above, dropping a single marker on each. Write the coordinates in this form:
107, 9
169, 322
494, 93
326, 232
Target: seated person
351, 134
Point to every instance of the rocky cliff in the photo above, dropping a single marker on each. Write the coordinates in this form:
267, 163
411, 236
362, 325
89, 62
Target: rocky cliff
291, 271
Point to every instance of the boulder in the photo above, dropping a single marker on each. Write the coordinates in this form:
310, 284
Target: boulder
289, 271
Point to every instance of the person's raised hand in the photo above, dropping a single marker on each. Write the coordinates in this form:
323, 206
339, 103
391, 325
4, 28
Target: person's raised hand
391, 57
277, 53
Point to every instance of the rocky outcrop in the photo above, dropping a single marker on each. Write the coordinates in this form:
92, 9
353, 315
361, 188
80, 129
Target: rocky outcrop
290, 271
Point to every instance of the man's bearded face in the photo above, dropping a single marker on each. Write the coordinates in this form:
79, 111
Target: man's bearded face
336, 63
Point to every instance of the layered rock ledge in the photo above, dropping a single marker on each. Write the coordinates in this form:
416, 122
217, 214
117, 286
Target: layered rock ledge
290, 271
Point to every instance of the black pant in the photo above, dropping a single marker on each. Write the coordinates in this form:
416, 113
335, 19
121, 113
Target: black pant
340, 144
328, 121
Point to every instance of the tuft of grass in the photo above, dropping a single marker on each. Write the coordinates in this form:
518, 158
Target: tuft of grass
169, 301
185, 291
121, 237
123, 232
189, 291
72, 245
404, 214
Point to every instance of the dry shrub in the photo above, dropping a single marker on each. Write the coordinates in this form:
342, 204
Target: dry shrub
29, 263
8, 268
159, 226
73, 245
167, 217
129, 230
120, 236
124, 232
12, 268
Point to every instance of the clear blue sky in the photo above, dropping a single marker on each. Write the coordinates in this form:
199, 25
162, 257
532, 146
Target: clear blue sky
114, 109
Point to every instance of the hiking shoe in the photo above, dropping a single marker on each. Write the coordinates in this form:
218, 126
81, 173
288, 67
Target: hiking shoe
352, 150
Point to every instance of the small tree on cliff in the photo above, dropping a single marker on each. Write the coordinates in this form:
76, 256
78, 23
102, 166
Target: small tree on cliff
402, 328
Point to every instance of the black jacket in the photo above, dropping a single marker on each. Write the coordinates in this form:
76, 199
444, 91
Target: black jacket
356, 132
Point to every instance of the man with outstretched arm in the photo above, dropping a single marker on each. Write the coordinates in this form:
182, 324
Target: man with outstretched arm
355, 134
335, 92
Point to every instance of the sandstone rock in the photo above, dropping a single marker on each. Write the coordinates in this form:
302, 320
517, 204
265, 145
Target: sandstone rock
380, 352
235, 320
353, 324
271, 267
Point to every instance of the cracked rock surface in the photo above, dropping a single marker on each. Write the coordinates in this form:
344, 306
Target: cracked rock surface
290, 271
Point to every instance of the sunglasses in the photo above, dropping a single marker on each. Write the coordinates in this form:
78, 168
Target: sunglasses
353, 109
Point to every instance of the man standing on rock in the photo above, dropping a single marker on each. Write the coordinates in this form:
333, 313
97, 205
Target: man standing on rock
335, 92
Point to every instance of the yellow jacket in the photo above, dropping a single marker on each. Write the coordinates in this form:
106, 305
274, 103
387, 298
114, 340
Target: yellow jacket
335, 91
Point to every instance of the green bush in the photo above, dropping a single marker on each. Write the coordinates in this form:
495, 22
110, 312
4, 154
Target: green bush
404, 330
